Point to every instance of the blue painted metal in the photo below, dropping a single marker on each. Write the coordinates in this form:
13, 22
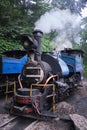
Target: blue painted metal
69, 60
64, 67
13, 65
74, 62
79, 65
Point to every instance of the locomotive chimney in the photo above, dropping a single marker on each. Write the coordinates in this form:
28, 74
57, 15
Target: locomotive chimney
38, 35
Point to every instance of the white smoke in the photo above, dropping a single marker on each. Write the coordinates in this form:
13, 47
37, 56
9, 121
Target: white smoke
61, 21
56, 20
61, 42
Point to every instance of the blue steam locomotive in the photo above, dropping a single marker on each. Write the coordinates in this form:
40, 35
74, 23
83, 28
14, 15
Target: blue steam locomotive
45, 79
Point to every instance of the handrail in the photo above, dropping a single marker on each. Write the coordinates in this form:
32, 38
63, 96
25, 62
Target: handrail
42, 85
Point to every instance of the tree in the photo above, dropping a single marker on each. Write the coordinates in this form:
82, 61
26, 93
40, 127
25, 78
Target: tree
73, 5
17, 17
84, 44
46, 46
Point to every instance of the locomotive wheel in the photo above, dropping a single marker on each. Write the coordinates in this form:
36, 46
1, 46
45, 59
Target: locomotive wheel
26, 92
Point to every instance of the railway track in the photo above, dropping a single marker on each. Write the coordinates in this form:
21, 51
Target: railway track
9, 122
6, 119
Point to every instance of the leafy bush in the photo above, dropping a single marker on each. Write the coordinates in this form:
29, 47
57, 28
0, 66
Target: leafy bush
6, 45
85, 70
46, 43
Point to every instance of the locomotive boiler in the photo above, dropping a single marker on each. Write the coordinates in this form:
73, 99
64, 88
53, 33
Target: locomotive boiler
45, 79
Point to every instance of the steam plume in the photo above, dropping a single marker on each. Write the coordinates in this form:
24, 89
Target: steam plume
61, 21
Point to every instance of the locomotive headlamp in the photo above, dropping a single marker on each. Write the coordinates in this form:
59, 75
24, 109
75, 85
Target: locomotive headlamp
27, 42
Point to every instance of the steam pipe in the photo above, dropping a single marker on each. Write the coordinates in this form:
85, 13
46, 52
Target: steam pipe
20, 81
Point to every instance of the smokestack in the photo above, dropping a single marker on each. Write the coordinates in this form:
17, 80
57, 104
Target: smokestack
38, 35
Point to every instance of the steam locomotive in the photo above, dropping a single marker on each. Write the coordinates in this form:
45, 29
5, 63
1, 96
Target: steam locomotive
45, 78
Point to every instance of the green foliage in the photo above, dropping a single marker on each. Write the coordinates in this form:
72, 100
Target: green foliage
85, 70
84, 47
6, 45
84, 32
18, 16
76, 46
46, 43
38, 9
84, 36
14, 19
84, 44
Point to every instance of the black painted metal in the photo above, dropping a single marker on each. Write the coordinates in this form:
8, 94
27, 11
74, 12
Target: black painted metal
53, 62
